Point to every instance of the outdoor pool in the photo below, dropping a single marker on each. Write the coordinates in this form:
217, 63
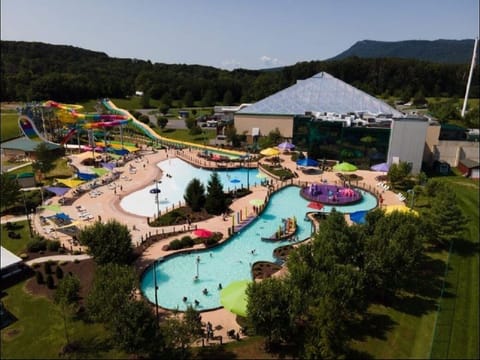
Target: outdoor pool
232, 260
172, 188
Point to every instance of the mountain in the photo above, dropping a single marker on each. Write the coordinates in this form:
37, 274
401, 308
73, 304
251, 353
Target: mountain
439, 51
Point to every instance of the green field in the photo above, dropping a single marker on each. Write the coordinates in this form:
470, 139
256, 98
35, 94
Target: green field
9, 125
16, 246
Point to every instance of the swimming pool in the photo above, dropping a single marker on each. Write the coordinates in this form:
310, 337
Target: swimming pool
172, 189
232, 260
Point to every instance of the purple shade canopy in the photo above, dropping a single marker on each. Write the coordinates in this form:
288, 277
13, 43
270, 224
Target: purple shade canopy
59, 191
108, 166
286, 146
383, 167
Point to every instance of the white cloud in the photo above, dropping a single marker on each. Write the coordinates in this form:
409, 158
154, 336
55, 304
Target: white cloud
269, 61
230, 64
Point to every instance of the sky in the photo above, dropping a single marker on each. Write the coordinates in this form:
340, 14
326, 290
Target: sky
228, 34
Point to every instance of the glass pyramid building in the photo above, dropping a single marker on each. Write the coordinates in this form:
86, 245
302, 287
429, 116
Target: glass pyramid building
320, 93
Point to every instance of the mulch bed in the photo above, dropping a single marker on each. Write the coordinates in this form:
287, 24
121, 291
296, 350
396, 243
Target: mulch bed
83, 270
264, 269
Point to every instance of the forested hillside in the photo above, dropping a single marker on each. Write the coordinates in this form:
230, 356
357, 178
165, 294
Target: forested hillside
439, 51
37, 71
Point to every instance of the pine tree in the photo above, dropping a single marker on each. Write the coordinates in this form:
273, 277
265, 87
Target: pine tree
216, 202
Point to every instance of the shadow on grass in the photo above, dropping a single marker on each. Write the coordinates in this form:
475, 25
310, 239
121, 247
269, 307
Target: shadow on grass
89, 347
465, 248
214, 352
373, 326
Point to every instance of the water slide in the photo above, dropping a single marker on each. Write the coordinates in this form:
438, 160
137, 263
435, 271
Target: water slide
150, 133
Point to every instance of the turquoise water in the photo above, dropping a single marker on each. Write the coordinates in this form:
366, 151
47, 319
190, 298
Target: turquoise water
232, 260
172, 189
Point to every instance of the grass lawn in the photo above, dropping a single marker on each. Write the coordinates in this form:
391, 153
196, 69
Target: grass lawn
9, 125
16, 246
39, 333
184, 135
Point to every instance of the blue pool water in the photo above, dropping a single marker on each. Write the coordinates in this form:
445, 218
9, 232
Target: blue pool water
232, 260
172, 189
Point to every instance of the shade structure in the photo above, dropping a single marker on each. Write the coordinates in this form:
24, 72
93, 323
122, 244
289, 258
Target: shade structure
235, 181
257, 202
63, 216
345, 166
307, 162
270, 152
358, 217
401, 208
54, 207
286, 146
202, 233
234, 298
315, 205
59, 191
262, 175
108, 166
383, 167
70, 182
100, 171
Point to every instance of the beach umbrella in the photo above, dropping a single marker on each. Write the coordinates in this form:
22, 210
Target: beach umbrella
401, 208
257, 202
358, 217
286, 146
202, 233
307, 162
345, 166
315, 205
270, 152
234, 298
383, 167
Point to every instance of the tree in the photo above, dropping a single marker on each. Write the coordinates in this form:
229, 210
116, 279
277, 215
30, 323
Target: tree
228, 98
66, 296
188, 99
45, 158
9, 190
108, 243
209, 98
162, 121
135, 330
145, 100
216, 200
398, 173
195, 195
112, 288
163, 108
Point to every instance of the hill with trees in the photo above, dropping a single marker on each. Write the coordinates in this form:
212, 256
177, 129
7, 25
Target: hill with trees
36, 71
438, 51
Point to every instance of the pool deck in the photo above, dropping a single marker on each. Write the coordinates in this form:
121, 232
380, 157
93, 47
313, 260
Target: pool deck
106, 206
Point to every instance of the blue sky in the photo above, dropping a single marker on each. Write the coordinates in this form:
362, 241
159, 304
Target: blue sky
229, 34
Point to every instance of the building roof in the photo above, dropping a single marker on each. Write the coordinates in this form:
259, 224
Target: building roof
25, 144
8, 258
471, 164
320, 93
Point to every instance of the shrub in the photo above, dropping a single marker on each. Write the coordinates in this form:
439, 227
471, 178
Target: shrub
39, 277
37, 245
53, 245
59, 272
47, 267
210, 241
77, 252
65, 262
50, 282
175, 245
76, 261
187, 241
23, 256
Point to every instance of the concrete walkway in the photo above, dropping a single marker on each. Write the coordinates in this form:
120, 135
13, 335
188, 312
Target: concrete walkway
57, 258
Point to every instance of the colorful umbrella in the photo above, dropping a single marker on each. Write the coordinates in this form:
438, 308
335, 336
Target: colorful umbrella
307, 162
202, 233
257, 202
315, 205
270, 152
383, 167
234, 298
358, 217
345, 166
286, 146
401, 208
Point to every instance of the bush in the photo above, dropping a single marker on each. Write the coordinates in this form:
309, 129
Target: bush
187, 241
39, 277
53, 245
50, 282
175, 245
47, 267
76, 261
23, 256
59, 273
77, 252
37, 245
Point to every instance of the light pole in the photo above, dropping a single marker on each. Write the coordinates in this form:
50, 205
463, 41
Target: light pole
157, 190
412, 194
198, 265
156, 288
26, 213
